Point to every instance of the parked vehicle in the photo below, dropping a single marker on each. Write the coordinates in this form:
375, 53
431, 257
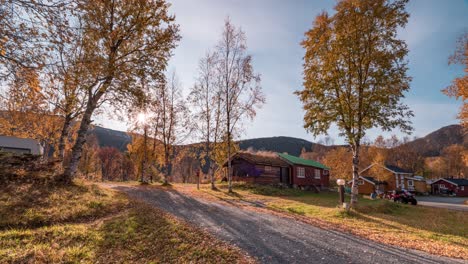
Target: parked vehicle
402, 197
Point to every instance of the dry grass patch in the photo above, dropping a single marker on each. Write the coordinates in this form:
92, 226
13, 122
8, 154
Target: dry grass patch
86, 224
35, 205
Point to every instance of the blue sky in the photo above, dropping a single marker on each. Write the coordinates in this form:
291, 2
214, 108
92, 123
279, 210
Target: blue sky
274, 29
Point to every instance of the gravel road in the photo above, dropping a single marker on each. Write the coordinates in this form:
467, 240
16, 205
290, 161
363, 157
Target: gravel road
452, 203
275, 239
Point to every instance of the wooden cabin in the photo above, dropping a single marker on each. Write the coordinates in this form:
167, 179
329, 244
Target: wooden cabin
306, 173
279, 168
396, 178
458, 187
260, 169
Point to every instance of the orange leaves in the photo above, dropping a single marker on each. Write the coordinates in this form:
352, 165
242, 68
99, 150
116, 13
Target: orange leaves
459, 87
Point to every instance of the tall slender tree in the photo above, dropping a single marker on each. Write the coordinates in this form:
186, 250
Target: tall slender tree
62, 76
119, 37
355, 72
240, 84
207, 100
171, 113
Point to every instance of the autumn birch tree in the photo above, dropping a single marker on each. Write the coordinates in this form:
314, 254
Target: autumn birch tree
459, 87
24, 35
171, 119
207, 100
63, 79
239, 83
355, 72
119, 36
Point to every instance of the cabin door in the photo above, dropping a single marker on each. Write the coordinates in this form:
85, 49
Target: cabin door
284, 178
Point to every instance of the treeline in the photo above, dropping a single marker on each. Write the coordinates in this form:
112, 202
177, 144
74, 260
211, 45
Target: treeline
64, 62
393, 151
110, 164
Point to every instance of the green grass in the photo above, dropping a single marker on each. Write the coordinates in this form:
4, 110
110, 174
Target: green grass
434, 230
83, 223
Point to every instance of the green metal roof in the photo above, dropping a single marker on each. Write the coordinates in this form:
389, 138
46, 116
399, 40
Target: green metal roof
301, 161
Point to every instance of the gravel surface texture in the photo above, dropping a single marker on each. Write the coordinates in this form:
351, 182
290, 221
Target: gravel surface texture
275, 239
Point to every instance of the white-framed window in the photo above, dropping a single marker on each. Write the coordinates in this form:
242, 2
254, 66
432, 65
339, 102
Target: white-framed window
410, 183
300, 172
360, 182
325, 172
442, 186
462, 188
317, 174
267, 168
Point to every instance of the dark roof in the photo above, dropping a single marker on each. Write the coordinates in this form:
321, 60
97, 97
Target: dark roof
260, 159
300, 161
397, 169
374, 180
370, 180
459, 182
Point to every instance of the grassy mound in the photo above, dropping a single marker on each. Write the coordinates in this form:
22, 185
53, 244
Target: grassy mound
32, 205
83, 223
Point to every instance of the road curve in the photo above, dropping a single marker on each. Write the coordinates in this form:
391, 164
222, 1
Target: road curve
274, 239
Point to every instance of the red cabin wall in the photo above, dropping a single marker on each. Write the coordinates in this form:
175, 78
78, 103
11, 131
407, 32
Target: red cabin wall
309, 177
456, 189
463, 192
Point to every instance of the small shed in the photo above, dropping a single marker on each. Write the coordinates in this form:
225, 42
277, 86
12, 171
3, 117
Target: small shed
20, 146
459, 187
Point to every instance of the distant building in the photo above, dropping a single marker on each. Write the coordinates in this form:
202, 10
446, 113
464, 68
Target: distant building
397, 180
459, 187
20, 145
368, 185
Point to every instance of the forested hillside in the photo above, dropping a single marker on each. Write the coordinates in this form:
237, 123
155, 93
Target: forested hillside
290, 145
432, 144
428, 146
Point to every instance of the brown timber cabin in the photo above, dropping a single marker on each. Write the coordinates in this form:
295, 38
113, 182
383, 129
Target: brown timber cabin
279, 168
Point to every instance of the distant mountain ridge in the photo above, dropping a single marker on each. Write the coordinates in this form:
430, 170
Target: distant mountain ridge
279, 144
111, 138
432, 144
428, 146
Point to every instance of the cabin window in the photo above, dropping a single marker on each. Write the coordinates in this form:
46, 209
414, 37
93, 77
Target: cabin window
325, 172
442, 186
360, 182
267, 168
462, 188
300, 172
317, 174
410, 183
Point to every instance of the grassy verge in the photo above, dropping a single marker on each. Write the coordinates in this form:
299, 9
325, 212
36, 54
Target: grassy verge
433, 230
83, 223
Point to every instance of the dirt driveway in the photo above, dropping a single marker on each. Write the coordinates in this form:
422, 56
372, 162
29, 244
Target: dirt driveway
275, 239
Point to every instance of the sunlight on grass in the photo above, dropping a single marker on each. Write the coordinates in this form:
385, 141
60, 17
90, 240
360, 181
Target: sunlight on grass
86, 224
434, 230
